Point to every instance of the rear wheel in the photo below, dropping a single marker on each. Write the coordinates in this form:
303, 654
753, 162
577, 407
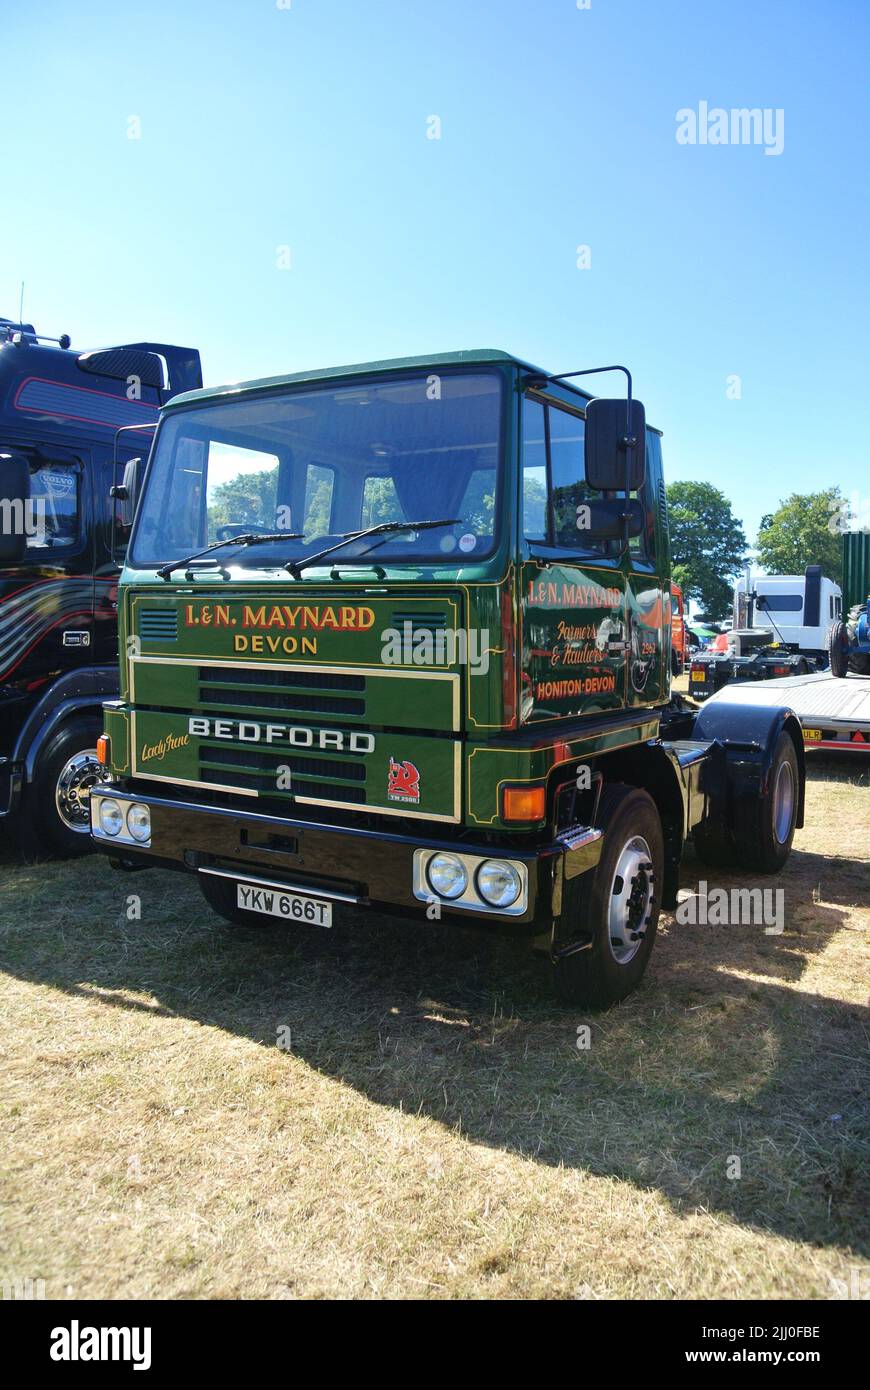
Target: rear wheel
617, 902
762, 838
56, 811
859, 662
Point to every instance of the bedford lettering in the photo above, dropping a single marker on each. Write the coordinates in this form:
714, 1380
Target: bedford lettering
297, 735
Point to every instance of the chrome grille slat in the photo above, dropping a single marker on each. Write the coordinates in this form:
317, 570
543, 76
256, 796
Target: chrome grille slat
158, 625
225, 697
261, 782
292, 692
286, 679
262, 761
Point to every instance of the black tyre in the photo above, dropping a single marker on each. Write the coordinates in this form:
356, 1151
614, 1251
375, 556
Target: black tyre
618, 902
765, 834
838, 649
762, 839
55, 817
676, 663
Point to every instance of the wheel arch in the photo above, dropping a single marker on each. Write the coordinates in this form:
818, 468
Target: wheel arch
748, 734
77, 693
649, 767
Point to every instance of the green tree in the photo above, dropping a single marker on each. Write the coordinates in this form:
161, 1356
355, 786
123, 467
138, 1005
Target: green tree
246, 499
804, 531
707, 544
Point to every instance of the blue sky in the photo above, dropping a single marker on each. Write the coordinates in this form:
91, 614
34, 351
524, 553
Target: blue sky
305, 127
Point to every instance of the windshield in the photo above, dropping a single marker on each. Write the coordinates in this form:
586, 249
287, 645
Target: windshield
324, 462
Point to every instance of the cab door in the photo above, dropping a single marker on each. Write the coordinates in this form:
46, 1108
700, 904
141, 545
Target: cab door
574, 633
48, 604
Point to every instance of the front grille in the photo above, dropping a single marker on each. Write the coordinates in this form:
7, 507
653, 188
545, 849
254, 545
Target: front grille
431, 622
249, 675
158, 625
303, 692
258, 770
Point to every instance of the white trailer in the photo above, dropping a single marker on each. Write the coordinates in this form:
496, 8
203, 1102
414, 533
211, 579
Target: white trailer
833, 713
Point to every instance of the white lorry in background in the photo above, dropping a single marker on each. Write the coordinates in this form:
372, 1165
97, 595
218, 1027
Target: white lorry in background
799, 608
779, 629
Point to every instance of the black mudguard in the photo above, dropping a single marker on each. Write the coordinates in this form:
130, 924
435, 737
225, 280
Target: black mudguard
748, 735
76, 692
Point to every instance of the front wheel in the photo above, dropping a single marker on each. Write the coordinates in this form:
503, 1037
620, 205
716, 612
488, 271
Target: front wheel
617, 903
56, 811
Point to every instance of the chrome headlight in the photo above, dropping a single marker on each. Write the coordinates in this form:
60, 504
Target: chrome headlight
498, 882
139, 821
447, 875
111, 819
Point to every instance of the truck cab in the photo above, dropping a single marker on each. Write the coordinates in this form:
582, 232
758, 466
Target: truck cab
799, 607
60, 458
397, 636
780, 628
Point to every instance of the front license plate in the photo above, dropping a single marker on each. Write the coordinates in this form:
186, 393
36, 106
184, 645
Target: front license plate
292, 907
811, 735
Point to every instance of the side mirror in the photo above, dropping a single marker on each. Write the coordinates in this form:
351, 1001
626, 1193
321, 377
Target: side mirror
613, 464
127, 492
16, 522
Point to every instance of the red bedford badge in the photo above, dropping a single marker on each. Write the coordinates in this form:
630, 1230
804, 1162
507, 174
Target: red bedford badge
403, 783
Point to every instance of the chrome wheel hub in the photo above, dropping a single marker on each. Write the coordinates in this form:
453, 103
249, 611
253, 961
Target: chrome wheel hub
73, 791
631, 896
783, 801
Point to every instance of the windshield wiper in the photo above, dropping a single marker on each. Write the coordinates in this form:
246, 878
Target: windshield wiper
246, 538
295, 567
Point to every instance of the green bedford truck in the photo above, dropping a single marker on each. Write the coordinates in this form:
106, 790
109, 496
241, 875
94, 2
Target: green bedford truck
397, 637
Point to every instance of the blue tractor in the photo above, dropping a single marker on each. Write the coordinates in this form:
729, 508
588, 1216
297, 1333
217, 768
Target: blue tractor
849, 642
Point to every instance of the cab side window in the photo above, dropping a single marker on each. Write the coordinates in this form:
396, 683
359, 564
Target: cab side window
55, 505
568, 490
534, 463
642, 547
554, 479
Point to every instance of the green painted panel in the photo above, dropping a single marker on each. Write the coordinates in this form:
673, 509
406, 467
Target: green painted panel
572, 618
402, 774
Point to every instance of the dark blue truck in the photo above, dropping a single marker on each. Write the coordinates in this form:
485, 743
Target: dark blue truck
64, 443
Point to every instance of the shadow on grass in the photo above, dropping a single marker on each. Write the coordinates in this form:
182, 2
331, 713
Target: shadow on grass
715, 1058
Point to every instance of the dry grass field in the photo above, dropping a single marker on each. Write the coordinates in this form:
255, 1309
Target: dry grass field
432, 1129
